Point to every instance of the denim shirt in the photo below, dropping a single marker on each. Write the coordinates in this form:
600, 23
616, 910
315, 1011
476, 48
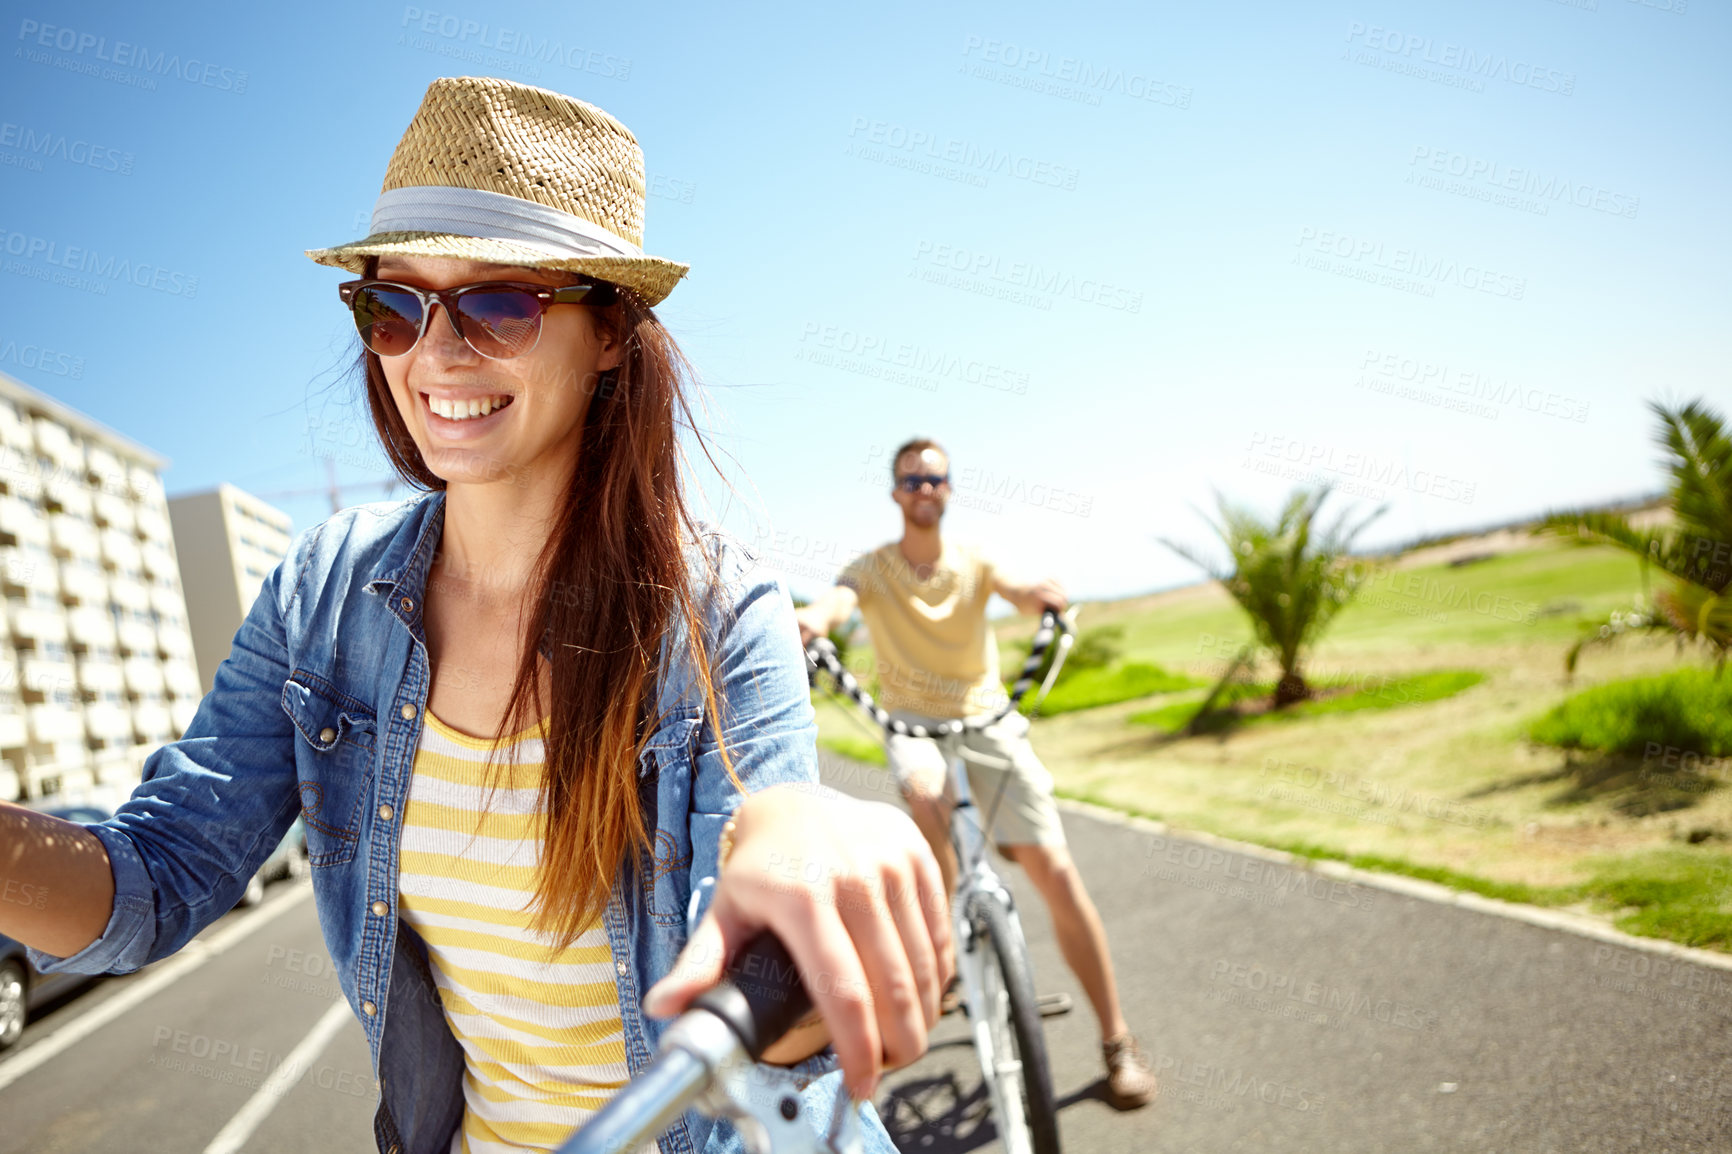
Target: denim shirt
317, 712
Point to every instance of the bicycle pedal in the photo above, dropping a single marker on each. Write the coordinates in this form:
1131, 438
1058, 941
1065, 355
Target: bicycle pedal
1053, 1005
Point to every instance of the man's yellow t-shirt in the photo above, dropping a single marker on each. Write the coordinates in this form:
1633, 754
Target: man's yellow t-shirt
936, 655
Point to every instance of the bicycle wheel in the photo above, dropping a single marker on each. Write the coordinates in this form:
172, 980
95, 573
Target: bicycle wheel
1013, 1045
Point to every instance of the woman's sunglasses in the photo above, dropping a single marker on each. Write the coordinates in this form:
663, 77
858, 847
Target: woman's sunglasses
498, 319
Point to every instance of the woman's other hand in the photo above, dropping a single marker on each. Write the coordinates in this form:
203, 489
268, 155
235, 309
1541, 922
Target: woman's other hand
852, 890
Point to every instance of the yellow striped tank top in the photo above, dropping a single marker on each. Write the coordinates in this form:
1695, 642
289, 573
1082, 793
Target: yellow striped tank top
541, 1033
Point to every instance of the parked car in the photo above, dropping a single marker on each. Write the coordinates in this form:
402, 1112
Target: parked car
288, 860
23, 990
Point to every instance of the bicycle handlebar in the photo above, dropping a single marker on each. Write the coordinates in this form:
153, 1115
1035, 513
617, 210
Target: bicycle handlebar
821, 655
728, 1027
761, 996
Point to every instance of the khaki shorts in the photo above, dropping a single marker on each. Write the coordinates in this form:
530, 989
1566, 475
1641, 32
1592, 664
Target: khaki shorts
1017, 799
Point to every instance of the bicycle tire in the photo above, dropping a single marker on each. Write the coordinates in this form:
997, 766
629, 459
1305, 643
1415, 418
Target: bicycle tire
1018, 1020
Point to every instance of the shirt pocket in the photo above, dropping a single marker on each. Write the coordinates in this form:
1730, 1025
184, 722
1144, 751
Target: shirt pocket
666, 869
334, 761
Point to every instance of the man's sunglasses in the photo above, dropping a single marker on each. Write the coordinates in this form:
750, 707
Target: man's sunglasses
498, 319
913, 481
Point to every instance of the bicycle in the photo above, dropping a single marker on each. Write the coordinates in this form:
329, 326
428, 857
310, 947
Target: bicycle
992, 954
707, 1058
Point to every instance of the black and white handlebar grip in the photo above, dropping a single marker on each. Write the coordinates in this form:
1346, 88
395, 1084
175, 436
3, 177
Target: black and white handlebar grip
761, 996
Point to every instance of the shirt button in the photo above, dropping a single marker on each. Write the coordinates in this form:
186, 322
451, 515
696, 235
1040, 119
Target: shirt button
369, 1009
385, 813
327, 734
408, 712
408, 605
381, 909
620, 966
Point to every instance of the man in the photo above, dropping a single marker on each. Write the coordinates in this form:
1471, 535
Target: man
924, 601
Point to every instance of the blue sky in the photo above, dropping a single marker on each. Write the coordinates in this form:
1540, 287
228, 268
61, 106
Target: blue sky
1117, 257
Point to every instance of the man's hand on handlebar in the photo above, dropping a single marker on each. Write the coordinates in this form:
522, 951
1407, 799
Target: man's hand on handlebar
1044, 595
853, 892
811, 624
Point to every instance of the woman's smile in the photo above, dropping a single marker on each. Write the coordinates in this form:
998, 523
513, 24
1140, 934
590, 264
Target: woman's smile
456, 416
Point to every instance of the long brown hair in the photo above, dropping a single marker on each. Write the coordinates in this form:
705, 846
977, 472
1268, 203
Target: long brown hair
609, 581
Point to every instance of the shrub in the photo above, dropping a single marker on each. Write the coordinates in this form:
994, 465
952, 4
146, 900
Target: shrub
1096, 687
1689, 709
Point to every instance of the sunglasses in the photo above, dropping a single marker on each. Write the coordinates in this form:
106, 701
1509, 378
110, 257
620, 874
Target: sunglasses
498, 319
913, 481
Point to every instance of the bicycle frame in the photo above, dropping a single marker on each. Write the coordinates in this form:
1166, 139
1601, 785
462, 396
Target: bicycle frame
975, 875
968, 833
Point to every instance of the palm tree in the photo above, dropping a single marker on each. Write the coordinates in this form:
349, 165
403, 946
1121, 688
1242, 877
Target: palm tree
1694, 552
1290, 577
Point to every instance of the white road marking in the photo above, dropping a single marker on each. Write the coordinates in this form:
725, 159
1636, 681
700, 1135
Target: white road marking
193, 955
232, 1136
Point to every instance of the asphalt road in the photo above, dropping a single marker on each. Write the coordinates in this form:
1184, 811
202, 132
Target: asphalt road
1285, 1012
1288, 1012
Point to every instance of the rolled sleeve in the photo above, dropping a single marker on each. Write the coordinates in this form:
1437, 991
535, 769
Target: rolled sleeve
126, 940
209, 809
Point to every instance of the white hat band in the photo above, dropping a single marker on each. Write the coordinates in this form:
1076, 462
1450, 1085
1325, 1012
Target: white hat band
494, 216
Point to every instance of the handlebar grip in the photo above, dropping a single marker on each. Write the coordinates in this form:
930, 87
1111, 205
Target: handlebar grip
761, 996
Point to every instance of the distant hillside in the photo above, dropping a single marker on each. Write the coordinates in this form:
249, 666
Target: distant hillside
1460, 547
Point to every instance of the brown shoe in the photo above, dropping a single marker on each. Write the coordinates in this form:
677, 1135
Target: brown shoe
1129, 1082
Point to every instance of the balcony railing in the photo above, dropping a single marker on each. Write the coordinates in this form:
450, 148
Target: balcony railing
137, 636
91, 625
128, 592
182, 677
36, 623
88, 586
52, 722
143, 675
21, 521
121, 549
101, 676
73, 537
113, 511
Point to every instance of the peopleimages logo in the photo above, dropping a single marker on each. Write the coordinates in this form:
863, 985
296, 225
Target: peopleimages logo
58, 146
897, 144
512, 42
1379, 473
1470, 384
1409, 262
41, 358
1546, 189
125, 54
91, 263
1021, 281
1069, 77
1478, 65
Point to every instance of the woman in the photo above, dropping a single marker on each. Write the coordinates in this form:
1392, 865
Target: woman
525, 715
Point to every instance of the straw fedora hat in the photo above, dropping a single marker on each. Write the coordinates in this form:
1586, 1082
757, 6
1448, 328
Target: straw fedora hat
490, 170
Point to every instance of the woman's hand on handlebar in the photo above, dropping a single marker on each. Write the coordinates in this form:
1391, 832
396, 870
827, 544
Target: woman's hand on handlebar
853, 892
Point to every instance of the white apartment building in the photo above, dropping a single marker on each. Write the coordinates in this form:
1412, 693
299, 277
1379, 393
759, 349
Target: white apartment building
96, 656
228, 541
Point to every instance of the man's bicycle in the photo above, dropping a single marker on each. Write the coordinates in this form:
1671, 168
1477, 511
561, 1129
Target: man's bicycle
992, 955
707, 1059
